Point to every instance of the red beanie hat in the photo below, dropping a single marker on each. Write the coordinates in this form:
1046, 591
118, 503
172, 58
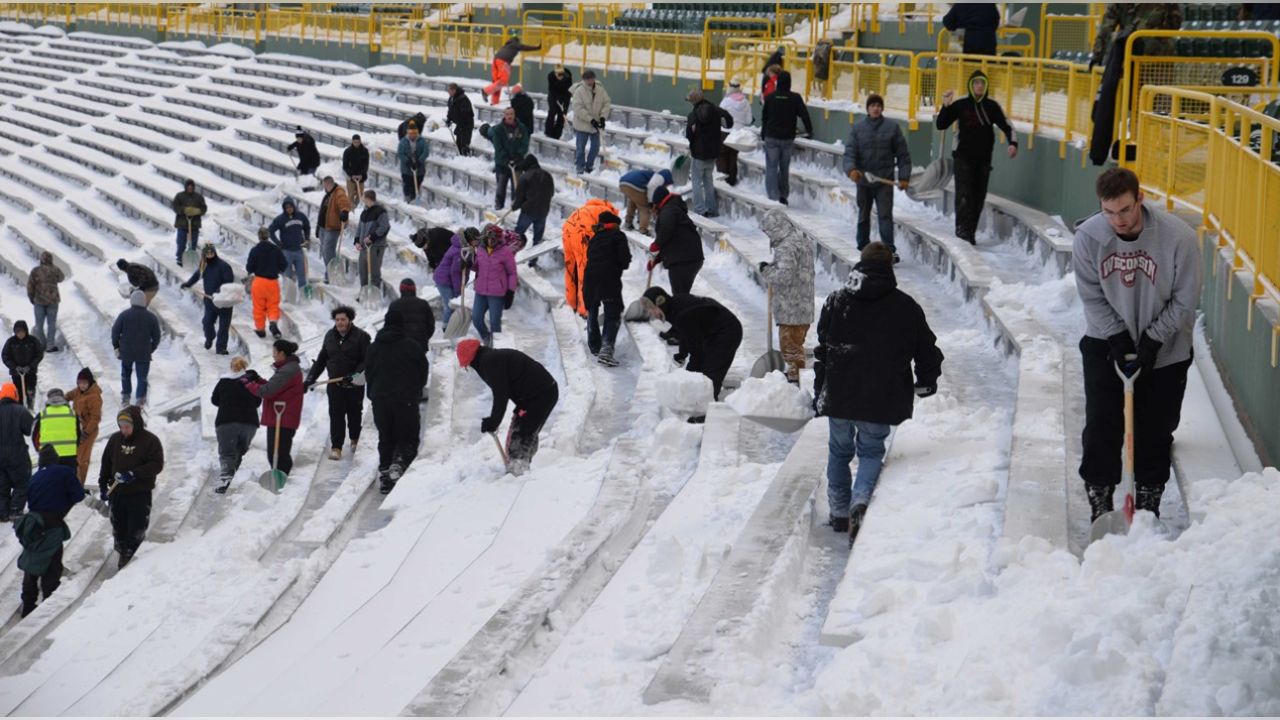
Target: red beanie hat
9, 391
467, 351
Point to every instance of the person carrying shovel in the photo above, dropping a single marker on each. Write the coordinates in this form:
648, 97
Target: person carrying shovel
510, 144
709, 334
131, 462
876, 146
22, 354
790, 279
188, 207
1138, 275
342, 355
413, 153
213, 272
282, 403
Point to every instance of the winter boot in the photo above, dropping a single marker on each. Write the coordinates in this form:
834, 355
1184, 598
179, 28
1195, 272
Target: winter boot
856, 515
1099, 500
838, 524
275, 330
1149, 499
396, 471
125, 557
124, 400
208, 343
335, 453
223, 486
698, 420
606, 357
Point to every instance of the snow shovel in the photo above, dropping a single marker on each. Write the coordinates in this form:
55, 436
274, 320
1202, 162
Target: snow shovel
460, 320
501, 450
330, 381
785, 425
273, 479
336, 268
307, 291
496, 219
370, 294
1117, 522
189, 255
934, 177
772, 359
680, 170
22, 380
635, 312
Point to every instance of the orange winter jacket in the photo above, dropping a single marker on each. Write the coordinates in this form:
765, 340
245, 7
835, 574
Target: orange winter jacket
576, 233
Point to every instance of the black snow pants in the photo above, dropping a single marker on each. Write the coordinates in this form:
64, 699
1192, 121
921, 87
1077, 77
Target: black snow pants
526, 423
399, 432
130, 517
346, 411
716, 355
971, 195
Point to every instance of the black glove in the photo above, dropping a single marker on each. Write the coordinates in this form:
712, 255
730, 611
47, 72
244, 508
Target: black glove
601, 123
488, 425
252, 375
308, 384
814, 405
1121, 346
763, 265
102, 494
924, 391
186, 286
680, 358
448, 122
511, 163
508, 299
484, 130
1148, 349
595, 124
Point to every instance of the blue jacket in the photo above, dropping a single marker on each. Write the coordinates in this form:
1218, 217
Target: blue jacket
215, 274
266, 261
293, 229
413, 157
54, 489
136, 333
640, 177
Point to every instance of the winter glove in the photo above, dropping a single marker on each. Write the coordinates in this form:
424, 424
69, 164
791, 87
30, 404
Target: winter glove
308, 384
508, 299
680, 358
23, 370
601, 123
1148, 349
252, 376
186, 286
343, 216
448, 122
763, 265
117, 353
807, 135
484, 130
488, 425
357, 379
1121, 347
595, 124
855, 175
653, 263
124, 478
814, 404
653, 247
103, 494
191, 211
924, 391
306, 244
902, 184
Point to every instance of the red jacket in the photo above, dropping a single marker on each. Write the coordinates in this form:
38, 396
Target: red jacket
285, 385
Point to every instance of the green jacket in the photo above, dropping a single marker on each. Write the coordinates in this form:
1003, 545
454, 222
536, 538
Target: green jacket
39, 543
510, 144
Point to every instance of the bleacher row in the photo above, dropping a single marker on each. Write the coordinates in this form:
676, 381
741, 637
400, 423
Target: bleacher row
689, 21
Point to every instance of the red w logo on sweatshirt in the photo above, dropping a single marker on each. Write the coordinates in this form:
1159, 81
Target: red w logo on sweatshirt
1129, 265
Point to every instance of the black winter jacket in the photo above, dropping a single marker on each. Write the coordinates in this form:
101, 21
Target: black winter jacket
704, 326
419, 120
16, 424
355, 163
214, 275
512, 48
234, 402
266, 260
608, 255
558, 88
676, 236
396, 368
536, 189
434, 243
136, 334
141, 454
184, 200
308, 153
979, 22
419, 320
460, 112
702, 130
27, 352
976, 119
142, 277
523, 105
341, 356
868, 338
511, 376
782, 109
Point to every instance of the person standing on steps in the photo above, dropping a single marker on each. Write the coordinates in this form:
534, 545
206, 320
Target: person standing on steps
703, 131
135, 336
335, 210
413, 153
58, 427
285, 385
355, 165
1138, 272
778, 130
608, 256
16, 425
462, 117
448, 276
709, 334
575, 235
213, 273
559, 92
397, 368
308, 153
86, 400
510, 145
131, 463
977, 116
876, 147
42, 291
523, 105
342, 356
533, 197
43, 531
591, 107
419, 120
870, 334
291, 230
501, 70
735, 103
791, 276
140, 277
265, 263
419, 320
637, 187
515, 377
979, 21
188, 208
677, 244
371, 239
496, 281
236, 422
433, 242
22, 354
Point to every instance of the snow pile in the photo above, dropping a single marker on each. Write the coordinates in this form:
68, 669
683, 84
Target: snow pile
1143, 625
771, 396
229, 295
685, 392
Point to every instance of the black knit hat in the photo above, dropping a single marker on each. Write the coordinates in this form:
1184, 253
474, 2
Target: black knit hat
608, 218
656, 295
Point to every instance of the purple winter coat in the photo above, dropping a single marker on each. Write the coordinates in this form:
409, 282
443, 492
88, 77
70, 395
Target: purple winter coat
495, 271
449, 271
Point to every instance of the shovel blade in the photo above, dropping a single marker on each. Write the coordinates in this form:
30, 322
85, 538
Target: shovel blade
190, 258
459, 321
272, 480
635, 312
370, 295
338, 272
768, 363
781, 424
1112, 523
933, 178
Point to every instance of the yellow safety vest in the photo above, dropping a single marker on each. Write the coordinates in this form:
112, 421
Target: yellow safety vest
58, 428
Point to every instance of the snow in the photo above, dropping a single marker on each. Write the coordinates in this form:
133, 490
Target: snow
684, 392
771, 396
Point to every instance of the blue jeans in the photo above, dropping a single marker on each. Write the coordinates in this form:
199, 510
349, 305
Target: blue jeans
446, 296
586, 162
46, 317
777, 168
126, 377
296, 267
328, 248
849, 438
493, 304
612, 321
525, 220
702, 173
183, 240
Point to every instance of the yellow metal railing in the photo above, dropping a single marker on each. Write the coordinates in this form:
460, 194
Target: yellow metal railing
855, 73
625, 51
1069, 33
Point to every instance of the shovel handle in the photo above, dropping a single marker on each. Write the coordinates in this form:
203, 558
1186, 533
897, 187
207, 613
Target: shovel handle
501, 450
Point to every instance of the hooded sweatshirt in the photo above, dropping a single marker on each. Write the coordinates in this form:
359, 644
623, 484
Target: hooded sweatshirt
791, 272
136, 332
782, 109
536, 189
976, 115
290, 229
396, 368
870, 334
188, 199
266, 261
214, 273
42, 283
449, 272
739, 108
26, 352
141, 454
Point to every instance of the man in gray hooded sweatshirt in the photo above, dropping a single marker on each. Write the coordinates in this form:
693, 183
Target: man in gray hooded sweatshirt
1138, 274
